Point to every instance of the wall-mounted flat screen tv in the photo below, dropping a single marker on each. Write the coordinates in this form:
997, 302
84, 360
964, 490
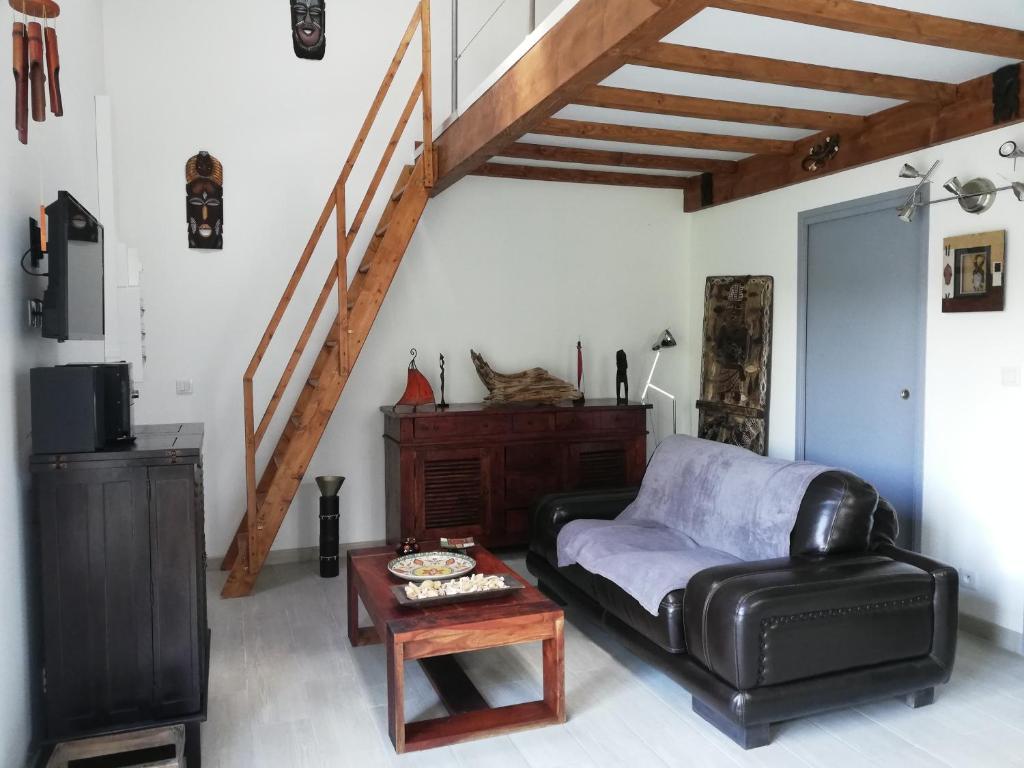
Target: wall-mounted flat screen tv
73, 301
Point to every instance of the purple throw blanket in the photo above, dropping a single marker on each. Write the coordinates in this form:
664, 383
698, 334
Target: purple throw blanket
701, 504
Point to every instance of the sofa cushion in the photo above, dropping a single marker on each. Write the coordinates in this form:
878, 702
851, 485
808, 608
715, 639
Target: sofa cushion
665, 628
645, 559
838, 516
723, 497
597, 593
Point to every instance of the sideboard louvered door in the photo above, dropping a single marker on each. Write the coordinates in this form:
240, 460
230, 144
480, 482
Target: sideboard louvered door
454, 489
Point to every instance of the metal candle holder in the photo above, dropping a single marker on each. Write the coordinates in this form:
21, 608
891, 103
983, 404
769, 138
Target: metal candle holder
330, 514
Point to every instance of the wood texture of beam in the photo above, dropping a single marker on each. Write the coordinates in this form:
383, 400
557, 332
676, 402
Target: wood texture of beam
712, 109
578, 129
889, 134
577, 176
883, 21
701, 61
549, 153
585, 47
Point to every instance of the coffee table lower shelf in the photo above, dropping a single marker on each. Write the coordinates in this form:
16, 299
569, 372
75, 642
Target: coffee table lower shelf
433, 636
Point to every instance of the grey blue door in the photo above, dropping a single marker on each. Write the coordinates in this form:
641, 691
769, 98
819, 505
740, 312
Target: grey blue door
863, 281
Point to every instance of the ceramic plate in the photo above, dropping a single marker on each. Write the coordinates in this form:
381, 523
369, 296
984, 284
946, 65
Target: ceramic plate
432, 565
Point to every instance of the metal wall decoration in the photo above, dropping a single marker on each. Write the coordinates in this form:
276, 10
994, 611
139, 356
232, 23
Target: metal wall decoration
309, 30
736, 361
204, 201
974, 273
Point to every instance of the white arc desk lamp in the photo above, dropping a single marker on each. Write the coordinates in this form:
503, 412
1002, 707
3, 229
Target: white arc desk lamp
665, 341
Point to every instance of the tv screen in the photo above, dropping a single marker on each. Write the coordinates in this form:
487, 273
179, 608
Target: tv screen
73, 302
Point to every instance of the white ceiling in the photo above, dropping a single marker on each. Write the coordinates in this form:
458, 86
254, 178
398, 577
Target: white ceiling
616, 146
759, 36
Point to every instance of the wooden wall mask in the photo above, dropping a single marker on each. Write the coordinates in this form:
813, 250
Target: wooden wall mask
204, 201
309, 28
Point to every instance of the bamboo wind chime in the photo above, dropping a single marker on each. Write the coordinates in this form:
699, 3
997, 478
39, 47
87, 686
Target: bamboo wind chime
30, 39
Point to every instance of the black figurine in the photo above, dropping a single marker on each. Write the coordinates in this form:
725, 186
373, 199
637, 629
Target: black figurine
442, 405
621, 382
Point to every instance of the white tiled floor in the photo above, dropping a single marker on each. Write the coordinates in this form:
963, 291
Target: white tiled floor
287, 690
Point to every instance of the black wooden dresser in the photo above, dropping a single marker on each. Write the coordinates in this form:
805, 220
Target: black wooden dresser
123, 585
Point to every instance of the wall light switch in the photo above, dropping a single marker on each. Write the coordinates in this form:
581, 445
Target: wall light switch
1011, 376
183, 387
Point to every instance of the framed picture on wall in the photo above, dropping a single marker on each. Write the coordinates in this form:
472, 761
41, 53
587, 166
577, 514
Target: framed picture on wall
974, 273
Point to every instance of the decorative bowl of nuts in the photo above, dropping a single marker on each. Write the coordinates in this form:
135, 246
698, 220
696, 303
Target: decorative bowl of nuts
476, 587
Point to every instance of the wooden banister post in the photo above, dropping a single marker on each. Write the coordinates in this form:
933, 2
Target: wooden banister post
251, 510
429, 167
342, 267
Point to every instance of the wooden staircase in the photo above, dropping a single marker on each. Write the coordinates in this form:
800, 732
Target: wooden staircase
268, 500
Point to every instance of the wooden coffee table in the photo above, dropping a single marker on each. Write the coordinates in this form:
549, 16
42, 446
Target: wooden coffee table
433, 635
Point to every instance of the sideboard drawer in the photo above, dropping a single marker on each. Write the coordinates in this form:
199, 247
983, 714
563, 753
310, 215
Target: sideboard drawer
460, 426
533, 422
626, 421
579, 420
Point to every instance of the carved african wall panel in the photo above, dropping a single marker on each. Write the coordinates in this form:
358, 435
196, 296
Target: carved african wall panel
736, 362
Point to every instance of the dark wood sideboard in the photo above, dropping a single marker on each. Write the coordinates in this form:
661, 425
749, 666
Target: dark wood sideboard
123, 567
475, 470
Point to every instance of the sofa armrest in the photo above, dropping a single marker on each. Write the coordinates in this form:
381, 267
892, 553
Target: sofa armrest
946, 603
776, 621
555, 511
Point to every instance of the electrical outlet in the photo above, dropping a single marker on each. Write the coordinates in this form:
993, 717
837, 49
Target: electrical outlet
183, 386
969, 580
1011, 376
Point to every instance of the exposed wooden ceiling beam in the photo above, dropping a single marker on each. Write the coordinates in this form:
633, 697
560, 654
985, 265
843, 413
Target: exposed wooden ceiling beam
711, 109
883, 21
585, 47
622, 159
701, 61
538, 173
889, 134
578, 129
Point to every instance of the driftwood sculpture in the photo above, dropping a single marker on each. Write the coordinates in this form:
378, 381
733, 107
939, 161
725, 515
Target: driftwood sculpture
533, 386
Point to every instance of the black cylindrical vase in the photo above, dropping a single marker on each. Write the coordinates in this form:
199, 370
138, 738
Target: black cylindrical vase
330, 514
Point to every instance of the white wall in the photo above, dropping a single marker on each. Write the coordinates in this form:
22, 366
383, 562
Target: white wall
61, 155
972, 513
516, 270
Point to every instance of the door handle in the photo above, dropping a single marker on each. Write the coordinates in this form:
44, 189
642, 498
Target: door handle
904, 394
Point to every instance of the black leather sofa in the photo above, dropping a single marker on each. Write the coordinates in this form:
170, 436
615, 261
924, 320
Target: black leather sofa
847, 618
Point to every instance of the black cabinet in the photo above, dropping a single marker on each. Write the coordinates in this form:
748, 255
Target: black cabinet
123, 560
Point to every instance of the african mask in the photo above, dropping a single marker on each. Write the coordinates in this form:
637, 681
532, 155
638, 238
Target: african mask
204, 201
309, 31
